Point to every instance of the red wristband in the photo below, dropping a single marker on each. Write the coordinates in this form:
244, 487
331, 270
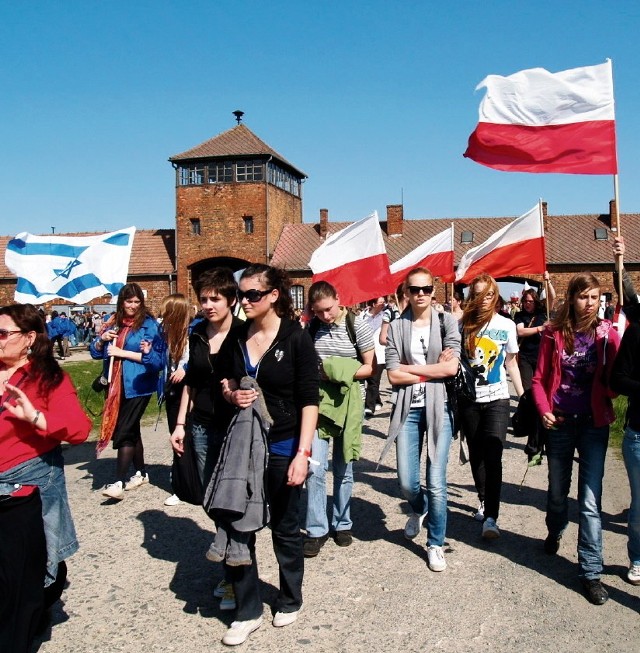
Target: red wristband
305, 452
423, 379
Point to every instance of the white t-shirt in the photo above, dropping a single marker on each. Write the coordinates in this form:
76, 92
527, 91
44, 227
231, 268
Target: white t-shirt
494, 341
419, 350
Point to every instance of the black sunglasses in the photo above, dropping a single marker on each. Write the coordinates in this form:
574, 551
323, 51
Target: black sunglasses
253, 294
414, 290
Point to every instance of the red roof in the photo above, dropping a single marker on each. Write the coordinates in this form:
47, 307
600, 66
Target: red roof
570, 238
239, 141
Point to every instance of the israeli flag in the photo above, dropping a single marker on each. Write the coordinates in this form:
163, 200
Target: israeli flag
75, 268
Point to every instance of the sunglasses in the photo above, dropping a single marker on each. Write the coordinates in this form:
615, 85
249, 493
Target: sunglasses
253, 295
414, 290
5, 333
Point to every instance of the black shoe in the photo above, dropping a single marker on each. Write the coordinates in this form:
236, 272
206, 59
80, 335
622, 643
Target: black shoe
595, 591
343, 538
552, 544
312, 545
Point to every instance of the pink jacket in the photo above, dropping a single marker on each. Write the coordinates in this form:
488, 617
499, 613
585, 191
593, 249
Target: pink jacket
546, 380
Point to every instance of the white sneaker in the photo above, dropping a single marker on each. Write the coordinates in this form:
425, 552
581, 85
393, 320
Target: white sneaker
379, 407
490, 529
435, 556
136, 481
172, 501
114, 491
479, 515
368, 412
282, 619
633, 575
413, 525
211, 553
240, 630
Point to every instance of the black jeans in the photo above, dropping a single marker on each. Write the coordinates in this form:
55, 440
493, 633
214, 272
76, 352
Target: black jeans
372, 396
284, 503
485, 427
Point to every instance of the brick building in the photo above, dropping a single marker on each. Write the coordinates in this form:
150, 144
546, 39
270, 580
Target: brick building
239, 201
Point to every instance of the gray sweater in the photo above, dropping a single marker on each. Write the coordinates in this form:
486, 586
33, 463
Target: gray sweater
399, 352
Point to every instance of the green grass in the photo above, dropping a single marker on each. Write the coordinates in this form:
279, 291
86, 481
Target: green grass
617, 428
83, 374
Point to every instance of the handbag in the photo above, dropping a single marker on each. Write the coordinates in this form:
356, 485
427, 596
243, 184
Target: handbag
185, 478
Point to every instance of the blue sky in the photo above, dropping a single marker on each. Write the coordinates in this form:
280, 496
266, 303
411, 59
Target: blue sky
373, 100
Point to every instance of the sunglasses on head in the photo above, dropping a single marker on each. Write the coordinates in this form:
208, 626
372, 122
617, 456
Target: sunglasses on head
427, 290
253, 295
5, 333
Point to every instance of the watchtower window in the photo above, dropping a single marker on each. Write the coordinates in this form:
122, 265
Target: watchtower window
249, 171
195, 226
248, 224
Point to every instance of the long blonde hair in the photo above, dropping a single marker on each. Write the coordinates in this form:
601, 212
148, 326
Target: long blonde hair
566, 320
175, 312
474, 314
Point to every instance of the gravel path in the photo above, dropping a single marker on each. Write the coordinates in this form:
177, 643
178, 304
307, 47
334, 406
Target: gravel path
141, 582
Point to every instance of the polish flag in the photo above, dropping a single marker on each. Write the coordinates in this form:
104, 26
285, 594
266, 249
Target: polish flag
620, 322
537, 121
515, 249
355, 262
435, 254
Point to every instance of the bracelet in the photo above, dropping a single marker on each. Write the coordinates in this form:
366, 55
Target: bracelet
179, 423
305, 452
423, 379
37, 417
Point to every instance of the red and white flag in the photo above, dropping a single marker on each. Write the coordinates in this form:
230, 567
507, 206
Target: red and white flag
515, 249
537, 121
355, 262
620, 322
435, 254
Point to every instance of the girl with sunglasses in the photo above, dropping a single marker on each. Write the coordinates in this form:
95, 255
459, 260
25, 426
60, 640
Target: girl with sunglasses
39, 409
272, 348
418, 358
490, 343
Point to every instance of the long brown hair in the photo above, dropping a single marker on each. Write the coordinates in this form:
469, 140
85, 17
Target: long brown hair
128, 291
44, 366
174, 311
474, 314
566, 320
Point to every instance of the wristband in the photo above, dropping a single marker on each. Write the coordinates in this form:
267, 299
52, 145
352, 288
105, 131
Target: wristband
423, 379
305, 452
179, 423
37, 417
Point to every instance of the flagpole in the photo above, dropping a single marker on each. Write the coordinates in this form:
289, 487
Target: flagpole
546, 281
454, 261
619, 262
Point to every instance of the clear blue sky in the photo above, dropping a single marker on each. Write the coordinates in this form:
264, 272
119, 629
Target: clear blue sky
373, 99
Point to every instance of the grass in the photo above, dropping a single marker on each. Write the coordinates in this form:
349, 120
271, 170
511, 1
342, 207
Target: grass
617, 428
83, 374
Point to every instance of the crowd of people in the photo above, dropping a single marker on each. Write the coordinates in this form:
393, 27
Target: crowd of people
267, 402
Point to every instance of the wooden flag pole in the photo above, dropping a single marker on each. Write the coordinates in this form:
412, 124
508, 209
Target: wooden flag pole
546, 281
619, 262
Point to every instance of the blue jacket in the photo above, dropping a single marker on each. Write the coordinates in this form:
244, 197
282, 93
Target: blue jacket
139, 379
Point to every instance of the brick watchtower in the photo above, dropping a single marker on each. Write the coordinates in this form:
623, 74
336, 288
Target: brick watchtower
234, 194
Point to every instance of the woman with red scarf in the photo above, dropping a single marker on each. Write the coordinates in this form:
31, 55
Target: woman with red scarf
133, 377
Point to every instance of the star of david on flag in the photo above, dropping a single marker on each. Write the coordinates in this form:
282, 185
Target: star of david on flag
75, 268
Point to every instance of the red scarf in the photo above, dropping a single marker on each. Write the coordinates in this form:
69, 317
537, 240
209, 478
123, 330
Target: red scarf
112, 402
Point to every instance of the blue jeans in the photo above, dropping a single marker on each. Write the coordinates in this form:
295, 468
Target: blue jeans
591, 443
631, 455
433, 499
207, 443
317, 523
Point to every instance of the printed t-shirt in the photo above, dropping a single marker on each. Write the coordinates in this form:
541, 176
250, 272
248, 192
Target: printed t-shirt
577, 371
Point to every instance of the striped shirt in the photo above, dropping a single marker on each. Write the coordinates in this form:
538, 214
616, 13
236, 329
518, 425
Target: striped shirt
333, 339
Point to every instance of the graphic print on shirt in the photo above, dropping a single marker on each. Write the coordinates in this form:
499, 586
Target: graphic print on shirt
489, 356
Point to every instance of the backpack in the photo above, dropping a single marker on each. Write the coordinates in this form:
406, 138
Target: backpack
350, 323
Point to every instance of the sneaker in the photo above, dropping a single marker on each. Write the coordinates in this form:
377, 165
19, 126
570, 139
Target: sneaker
413, 525
633, 575
435, 556
368, 412
281, 619
479, 515
136, 481
240, 630
378, 408
551, 544
220, 589
312, 545
228, 600
114, 491
343, 538
172, 501
490, 529
595, 591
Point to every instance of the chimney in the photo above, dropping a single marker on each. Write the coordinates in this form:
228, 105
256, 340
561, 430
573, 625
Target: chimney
613, 216
395, 219
544, 216
324, 222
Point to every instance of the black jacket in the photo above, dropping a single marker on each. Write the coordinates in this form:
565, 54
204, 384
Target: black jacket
625, 376
287, 374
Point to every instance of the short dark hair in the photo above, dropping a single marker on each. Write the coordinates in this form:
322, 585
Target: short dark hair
321, 290
219, 279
